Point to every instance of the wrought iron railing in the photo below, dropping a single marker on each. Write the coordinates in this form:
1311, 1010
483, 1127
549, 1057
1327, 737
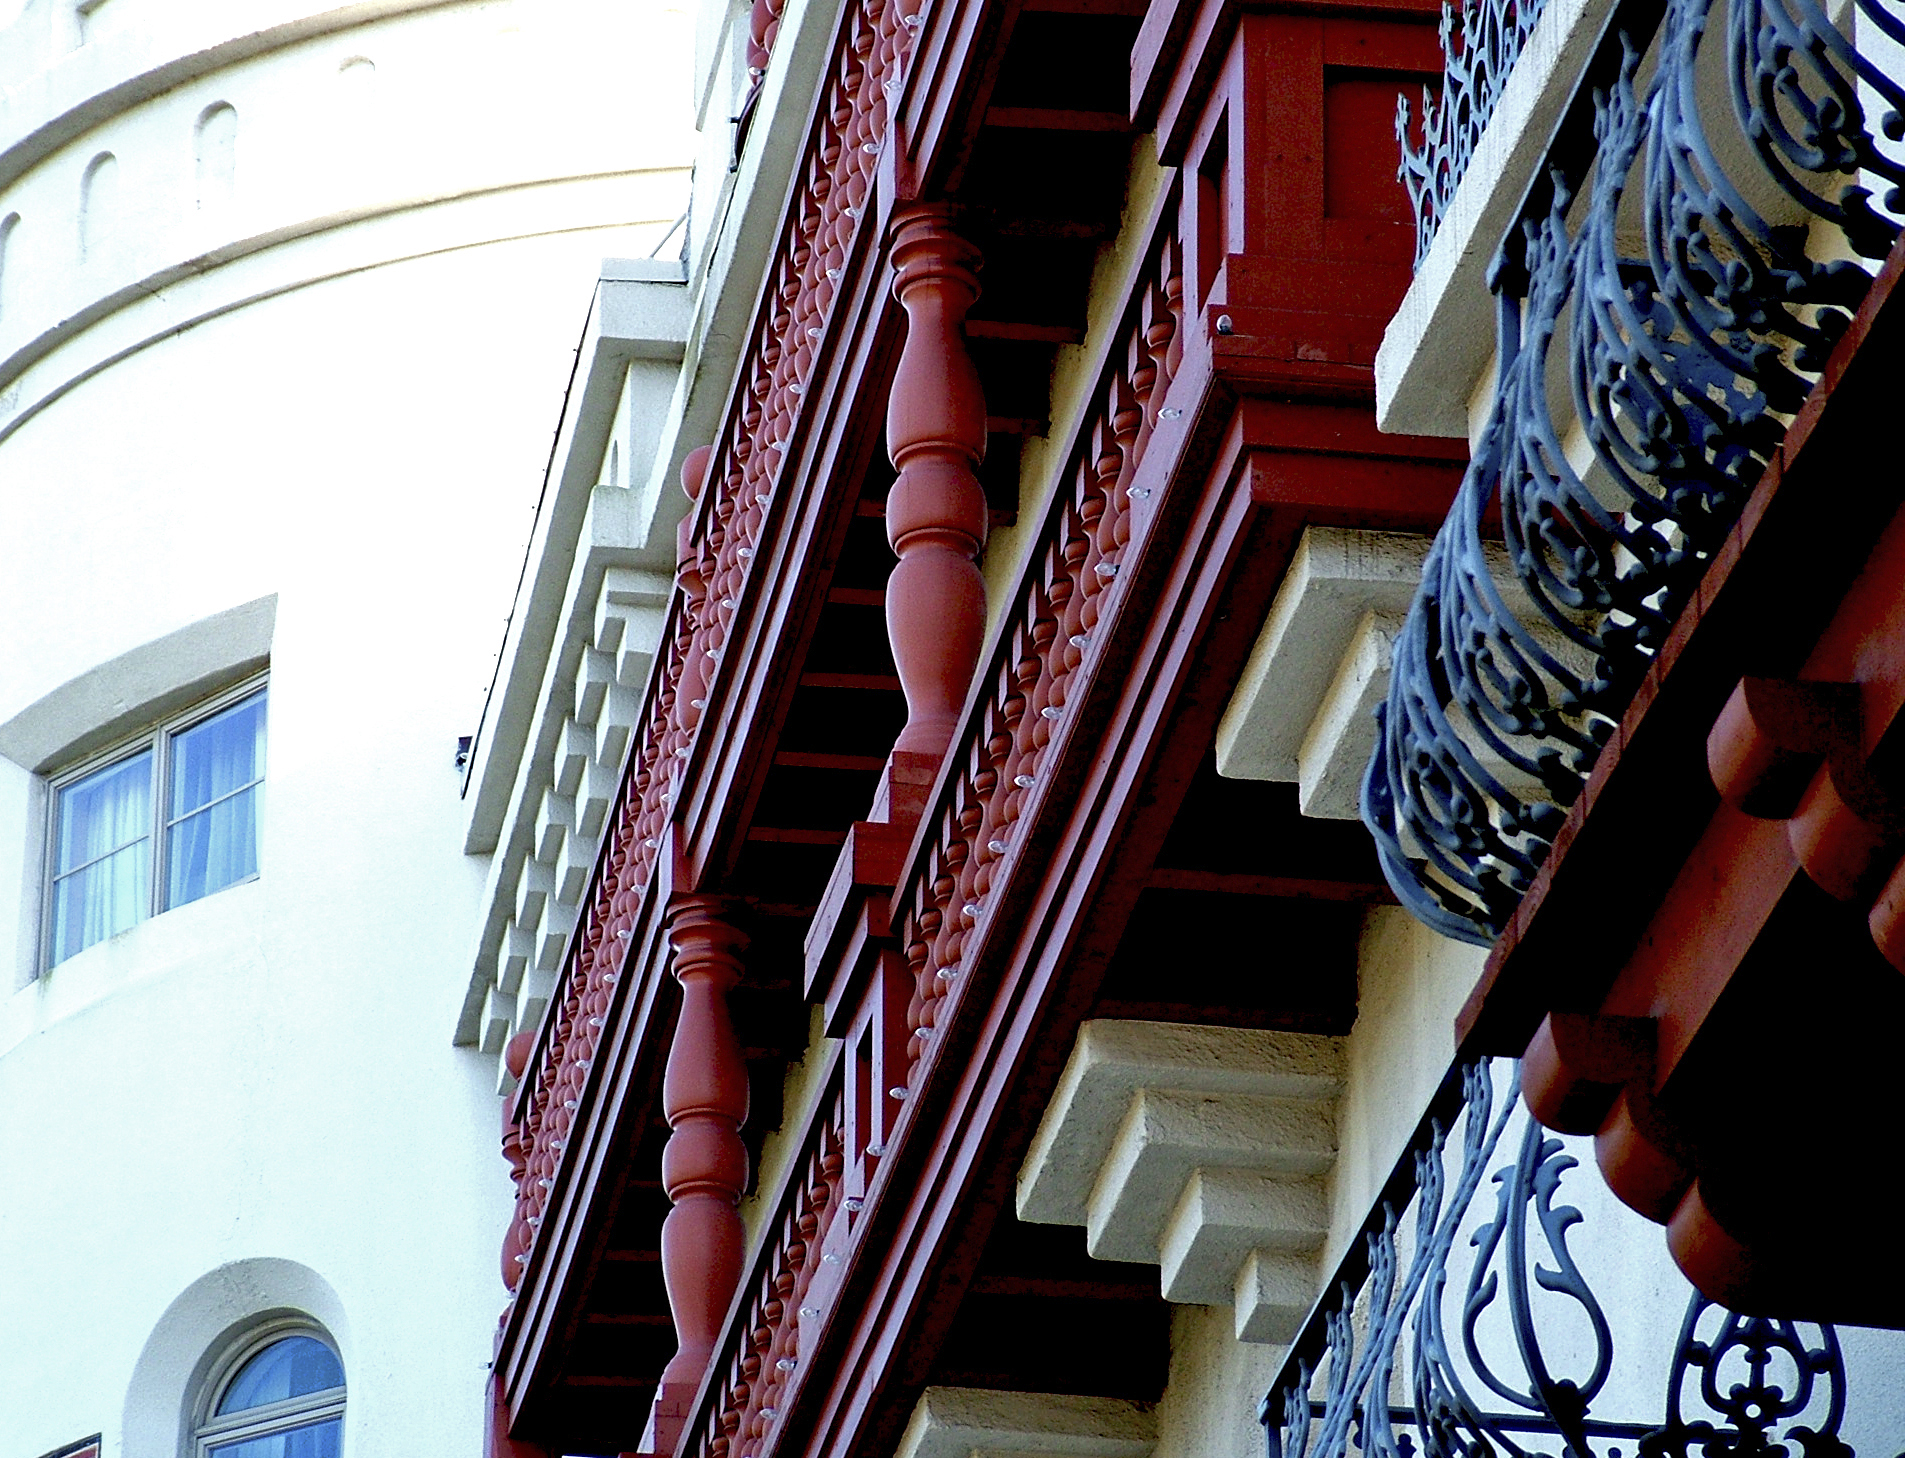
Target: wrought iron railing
1480, 42
1467, 1323
1675, 280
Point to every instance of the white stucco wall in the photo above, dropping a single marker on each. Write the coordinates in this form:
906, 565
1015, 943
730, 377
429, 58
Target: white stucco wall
336, 386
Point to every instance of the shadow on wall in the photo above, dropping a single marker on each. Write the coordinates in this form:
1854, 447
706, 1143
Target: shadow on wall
205, 1319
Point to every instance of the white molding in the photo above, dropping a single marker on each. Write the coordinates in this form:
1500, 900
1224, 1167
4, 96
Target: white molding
140, 686
1204, 1151
1440, 342
200, 1327
54, 104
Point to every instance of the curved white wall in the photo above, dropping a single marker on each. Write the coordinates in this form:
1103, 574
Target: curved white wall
332, 285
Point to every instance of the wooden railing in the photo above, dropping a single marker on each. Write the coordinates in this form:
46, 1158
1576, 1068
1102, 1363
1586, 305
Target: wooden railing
773, 1327
1051, 645
794, 1271
733, 484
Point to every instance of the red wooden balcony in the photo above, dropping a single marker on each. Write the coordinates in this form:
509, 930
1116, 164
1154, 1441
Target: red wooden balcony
955, 877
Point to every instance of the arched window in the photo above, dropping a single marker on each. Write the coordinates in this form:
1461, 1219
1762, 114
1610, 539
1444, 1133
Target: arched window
98, 187
7, 226
281, 1395
215, 154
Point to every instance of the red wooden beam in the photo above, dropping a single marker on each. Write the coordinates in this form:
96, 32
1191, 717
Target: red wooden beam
1784, 679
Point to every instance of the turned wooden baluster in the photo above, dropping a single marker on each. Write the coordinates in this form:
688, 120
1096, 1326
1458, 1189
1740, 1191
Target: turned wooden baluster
704, 1166
936, 511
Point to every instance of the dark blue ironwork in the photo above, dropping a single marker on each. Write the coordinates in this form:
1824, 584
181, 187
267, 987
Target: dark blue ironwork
1669, 303
1480, 42
1437, 1335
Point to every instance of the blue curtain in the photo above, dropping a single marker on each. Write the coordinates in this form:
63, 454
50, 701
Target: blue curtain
212, 809
103, 875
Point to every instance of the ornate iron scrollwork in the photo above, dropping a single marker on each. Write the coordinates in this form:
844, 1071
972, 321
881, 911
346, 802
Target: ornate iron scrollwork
1678, 326
1509, 1353
1762, 1377
1479, 45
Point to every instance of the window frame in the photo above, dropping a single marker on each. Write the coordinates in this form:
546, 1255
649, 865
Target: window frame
155, 739
209, 1430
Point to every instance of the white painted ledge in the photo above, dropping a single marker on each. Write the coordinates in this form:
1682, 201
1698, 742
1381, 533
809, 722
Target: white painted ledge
52, 90
1440, 342
183, 291
971, 1422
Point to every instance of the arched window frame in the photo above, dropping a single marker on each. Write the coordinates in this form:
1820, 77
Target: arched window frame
210, 1431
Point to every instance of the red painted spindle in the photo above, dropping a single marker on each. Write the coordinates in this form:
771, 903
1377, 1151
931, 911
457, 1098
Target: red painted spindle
936, 510
704, 1166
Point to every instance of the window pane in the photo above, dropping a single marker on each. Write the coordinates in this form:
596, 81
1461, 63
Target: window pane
100, 901
294, 1367
223, 754
108, 809
319, 1440
216, 767
212, 849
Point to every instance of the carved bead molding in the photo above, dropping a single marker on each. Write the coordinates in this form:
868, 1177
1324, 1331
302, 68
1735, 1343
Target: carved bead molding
763, 27
936, 510
516, 1241
794, 1287
704, 1165
998, 755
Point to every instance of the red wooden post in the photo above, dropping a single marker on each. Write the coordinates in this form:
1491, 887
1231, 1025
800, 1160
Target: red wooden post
704, 1166
936, 511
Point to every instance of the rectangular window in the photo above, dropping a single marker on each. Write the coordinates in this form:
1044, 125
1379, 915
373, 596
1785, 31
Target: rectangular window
164, 820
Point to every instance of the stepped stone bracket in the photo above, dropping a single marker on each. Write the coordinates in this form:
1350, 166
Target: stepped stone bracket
562, 803
967, 1422
1302, 710
1204, 1151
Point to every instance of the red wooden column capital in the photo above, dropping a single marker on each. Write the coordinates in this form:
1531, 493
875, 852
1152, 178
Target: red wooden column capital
704, 1166
936, 511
